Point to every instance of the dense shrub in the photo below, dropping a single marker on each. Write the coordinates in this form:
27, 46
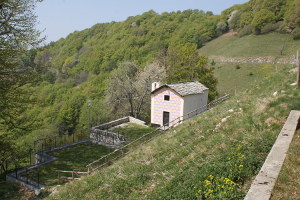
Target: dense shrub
271, 27
247, 30
296, 33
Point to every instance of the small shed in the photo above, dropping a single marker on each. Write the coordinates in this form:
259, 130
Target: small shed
170, 101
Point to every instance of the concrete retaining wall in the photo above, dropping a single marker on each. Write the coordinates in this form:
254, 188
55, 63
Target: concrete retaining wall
136, 121
262, 186
118, 122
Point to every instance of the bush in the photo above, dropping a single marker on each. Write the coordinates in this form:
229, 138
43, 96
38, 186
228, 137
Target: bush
271, 27
222, 27
213, 63
238, 67
233, 20
247, 30
296, 33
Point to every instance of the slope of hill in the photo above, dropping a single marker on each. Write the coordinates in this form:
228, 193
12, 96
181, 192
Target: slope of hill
216, 153
274, 45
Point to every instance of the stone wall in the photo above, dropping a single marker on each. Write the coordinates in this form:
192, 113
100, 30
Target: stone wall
260, 60
105, 137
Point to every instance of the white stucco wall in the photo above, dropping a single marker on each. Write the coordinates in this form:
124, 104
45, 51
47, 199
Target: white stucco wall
193, 102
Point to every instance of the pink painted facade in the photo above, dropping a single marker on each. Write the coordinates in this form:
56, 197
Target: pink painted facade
159, 105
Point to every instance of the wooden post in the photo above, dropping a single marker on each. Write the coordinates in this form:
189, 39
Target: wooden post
58, 177
235, 90
26, 175
38, 177
298, 74
30, 156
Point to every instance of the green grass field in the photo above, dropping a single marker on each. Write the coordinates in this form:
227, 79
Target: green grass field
252, 46
196, 157
133, 131
234, 78
72, 158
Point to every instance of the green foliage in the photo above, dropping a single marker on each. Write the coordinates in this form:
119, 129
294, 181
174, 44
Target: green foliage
296, 33
260, 13
271, 27
17, 35
247, 30
234, 19
261, 18
69, 114
184, 63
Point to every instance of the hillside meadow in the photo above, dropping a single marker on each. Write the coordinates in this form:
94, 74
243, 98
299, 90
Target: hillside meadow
192, 159
274, 45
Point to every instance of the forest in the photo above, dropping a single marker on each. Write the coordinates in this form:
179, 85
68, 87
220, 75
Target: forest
45, 89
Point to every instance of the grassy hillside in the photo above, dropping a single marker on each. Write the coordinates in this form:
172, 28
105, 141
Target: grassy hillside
234, 78
271, 44
190, 159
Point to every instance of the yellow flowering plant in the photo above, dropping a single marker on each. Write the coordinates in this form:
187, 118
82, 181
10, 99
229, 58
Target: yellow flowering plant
217, 188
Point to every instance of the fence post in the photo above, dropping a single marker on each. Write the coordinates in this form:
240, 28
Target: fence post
34, 146
6, 167
30, 152
298, 74
58, 174
16, 170
26, 175
38, 178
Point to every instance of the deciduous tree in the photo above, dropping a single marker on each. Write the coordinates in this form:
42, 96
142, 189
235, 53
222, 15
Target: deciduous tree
17, 36
184, 63
129, 87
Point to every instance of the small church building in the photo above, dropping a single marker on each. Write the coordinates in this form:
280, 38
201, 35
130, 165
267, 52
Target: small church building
170, 101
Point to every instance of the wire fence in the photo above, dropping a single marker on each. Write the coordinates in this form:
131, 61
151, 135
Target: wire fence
19, 167
48, 143
26, 176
